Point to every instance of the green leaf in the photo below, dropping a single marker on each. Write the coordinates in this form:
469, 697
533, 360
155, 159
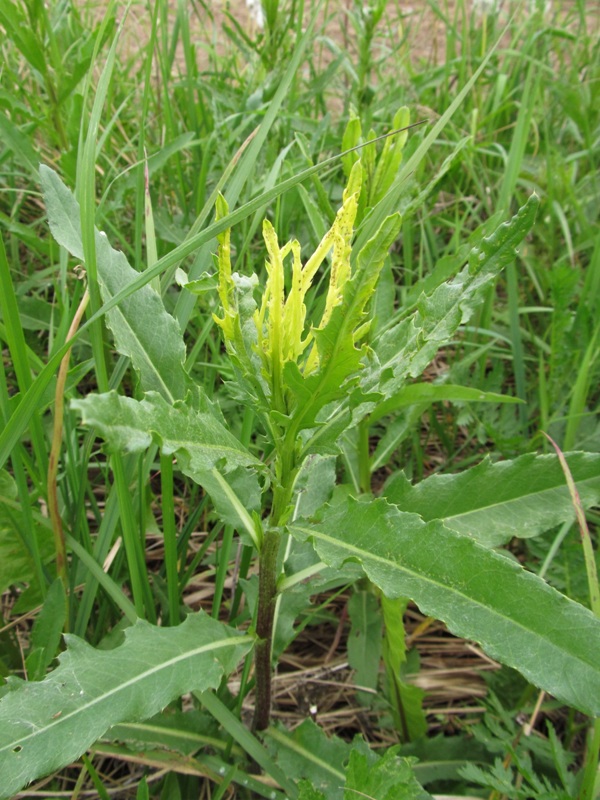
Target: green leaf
8, 486
406, 699
142, 328
389, 778
15, 139
183, 732
339, 357
406, 349
495, 502
338, 770
46, 632
17, 26
314, 484
308, 753
197, 438
46, 725
308, 792
236, 500
433, 393
364, 640
481, 595
16, 560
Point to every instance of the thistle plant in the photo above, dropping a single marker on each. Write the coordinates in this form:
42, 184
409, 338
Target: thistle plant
291, 372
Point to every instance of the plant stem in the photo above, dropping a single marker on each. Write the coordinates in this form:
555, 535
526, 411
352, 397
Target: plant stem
267, 585
267, 598
364, 456
53, 510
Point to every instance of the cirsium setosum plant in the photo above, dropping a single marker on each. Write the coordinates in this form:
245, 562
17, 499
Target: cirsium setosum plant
292, 373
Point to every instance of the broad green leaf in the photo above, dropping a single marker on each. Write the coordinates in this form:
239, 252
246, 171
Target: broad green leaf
314, 484
407, 348
495, 502
48, 724
197, 438
328, 767
308, 753
8, 487
142, 328
389, 778
481, 595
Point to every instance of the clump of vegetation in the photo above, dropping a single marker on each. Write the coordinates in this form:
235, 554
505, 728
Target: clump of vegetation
217, 446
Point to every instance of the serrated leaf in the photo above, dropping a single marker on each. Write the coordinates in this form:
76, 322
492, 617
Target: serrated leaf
142, 328
337, 770
495, 502
308, 753
46, 725
390, 777
406, 349
481, 595
197, 438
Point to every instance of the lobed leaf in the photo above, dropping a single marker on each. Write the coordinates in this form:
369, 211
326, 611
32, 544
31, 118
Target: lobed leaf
495, 502
328, 767
46, 725
198, 439
481, 595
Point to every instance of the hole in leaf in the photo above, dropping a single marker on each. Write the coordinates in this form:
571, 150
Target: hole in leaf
17, 749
